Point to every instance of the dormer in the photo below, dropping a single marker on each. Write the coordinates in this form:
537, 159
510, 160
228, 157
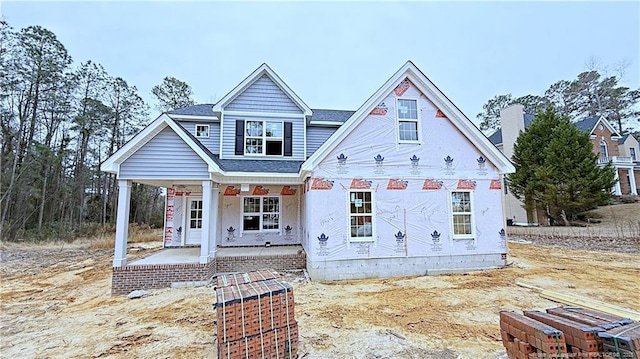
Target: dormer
262, 119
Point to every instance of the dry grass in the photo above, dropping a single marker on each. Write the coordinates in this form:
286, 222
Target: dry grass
620, 221
137, 234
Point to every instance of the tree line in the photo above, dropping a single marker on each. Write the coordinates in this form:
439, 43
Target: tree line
596, 91
58, 122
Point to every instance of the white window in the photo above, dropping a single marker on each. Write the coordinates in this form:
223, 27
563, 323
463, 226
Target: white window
195, 215
263, 138
361, 216
202, 131
261, 214
632, 153
462, 214
603, 150
407, 120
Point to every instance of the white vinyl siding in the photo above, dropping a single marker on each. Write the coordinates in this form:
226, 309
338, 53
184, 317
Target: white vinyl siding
166, 156
212, 143
316, 136
263, 96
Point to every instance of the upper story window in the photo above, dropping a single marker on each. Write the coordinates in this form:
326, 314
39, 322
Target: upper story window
462, 214
407, 120
632, 153
263, 138
603, 150
202, 131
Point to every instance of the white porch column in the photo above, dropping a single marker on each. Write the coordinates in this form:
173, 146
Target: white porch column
632, 179
616, 188
206, 223
213, 239
122, 223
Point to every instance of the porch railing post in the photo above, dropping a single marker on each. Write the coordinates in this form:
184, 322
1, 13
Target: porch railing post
213, 240
122, 224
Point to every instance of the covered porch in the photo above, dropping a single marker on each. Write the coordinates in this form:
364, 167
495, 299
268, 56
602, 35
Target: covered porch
181, 267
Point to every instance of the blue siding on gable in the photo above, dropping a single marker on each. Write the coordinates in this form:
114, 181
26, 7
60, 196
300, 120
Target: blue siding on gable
316, 136
263, 96
166, 156
212, 143
229, 133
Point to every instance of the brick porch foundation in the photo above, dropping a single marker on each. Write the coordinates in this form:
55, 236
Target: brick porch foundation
252, 263
129, 278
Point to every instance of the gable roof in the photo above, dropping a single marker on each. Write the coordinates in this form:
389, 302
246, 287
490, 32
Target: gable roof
622, 139
433, 93
112, 164
590, 123
264, 69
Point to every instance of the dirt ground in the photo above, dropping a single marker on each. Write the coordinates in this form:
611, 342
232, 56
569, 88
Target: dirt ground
56, 303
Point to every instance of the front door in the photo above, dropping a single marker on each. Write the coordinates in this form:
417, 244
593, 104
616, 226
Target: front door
194, 222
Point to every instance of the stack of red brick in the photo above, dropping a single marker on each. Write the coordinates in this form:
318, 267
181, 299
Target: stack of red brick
569, 333
255, 316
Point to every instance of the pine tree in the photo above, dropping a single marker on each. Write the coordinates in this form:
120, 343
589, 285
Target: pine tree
556, 169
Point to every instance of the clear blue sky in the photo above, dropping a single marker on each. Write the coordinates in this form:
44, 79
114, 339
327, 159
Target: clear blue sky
336, 54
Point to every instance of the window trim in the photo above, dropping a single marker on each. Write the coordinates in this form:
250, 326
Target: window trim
633, 154
202, 125
263, 137
260, 214
417, 120
472, 235
605, 147
373, 237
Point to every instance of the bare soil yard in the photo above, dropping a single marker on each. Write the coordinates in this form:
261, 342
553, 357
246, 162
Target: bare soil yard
56, 303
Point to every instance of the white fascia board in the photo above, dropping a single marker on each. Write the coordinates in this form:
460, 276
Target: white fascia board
112, 164
326, 123
614, 132
193, 117
264, 114
459, 120
258, 178
249, 80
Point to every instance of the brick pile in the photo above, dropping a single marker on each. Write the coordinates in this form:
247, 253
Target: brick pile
569, 333
255, 316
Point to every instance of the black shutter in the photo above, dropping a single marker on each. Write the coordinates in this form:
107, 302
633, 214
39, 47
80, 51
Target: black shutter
239, 137
288, 142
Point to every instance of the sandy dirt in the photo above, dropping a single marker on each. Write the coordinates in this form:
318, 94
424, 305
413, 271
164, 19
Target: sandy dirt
55, 302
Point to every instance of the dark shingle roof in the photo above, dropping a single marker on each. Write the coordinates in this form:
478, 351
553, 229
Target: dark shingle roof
587, 124
622, 139
274, 166
195, 110
496, 137
331, 115
528, 119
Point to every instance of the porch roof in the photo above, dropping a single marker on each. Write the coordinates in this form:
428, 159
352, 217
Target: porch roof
274, 166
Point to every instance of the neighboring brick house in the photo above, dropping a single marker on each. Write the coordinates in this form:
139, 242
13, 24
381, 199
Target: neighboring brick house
621, 151
404, 185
